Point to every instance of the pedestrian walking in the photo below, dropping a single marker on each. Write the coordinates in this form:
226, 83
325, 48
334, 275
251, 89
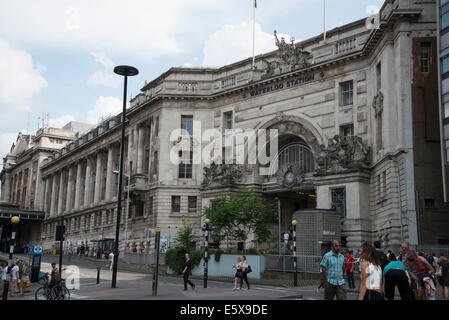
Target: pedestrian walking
24, 279
244, 277
404, 249
3, 273
423, 271
443, 275
396, 275
14, 279
186, 273
333, 267
382, 256
286, 237
371, 278
111, 260
322, 283
238, 272
349, 266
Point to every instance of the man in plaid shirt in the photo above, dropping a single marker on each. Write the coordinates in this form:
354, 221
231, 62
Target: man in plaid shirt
332, 268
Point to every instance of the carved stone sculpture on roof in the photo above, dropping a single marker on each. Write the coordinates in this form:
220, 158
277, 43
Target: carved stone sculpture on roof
290, 56
343, 153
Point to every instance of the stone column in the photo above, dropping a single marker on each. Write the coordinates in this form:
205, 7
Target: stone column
69, 190
61, 193
88, 184
110, 174
140, 148
7, 187
97, 191
45, 194
78, 186
53, 196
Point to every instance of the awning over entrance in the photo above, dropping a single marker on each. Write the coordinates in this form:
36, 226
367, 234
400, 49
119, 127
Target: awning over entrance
7, 211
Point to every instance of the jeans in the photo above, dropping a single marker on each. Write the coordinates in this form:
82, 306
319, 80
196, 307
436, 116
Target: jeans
397, 278
331, 290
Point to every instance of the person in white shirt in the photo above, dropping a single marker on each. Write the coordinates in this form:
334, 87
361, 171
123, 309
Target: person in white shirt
111, 260
371, 277
3, 272
15, 278
285, 241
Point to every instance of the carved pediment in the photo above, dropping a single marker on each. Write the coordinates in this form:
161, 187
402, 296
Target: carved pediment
219, 174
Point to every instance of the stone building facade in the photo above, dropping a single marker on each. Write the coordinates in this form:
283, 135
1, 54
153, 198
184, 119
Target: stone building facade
348, 111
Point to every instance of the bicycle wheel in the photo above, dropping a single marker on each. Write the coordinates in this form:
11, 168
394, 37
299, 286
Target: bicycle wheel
65, 293
42, 294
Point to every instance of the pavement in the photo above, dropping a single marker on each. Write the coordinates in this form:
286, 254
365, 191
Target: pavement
138, 285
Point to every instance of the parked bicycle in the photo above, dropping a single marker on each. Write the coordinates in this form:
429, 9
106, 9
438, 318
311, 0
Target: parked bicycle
58, 291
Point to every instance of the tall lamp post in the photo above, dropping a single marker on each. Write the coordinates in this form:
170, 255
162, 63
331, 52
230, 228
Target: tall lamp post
295, 275
127, 207
14, 221
126, 71
206, 246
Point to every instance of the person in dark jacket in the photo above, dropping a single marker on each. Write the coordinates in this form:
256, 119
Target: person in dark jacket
186, 272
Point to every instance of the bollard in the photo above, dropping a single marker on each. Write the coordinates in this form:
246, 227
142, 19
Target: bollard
98, 275
156, 260
295, 275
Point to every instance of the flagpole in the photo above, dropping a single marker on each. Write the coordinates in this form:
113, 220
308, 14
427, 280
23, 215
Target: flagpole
324, 19
254, 32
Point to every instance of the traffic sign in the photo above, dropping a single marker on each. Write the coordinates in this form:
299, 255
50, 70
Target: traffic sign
37, 250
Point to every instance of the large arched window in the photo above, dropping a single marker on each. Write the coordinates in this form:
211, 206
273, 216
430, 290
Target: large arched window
296, 154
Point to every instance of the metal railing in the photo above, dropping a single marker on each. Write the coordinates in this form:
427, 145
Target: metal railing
437, 249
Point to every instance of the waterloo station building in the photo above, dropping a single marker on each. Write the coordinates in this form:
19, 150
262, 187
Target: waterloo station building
358, 122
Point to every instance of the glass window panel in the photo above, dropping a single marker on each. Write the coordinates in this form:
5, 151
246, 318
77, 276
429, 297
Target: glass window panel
187, 123
445, 20
445, 64
446, 110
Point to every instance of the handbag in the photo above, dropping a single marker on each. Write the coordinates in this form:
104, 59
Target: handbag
249, 270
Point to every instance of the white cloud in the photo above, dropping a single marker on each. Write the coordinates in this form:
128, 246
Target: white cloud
6, 141
20, 79
188, 65
61, 121
100, 78
235, 42
104, 107
101, 58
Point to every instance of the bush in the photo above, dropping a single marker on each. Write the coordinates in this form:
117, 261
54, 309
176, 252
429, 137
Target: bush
217, 255
175, 258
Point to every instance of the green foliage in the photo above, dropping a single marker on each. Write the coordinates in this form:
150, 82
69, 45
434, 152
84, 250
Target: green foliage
175, 258
253, 251
237, 215
185, 236
217, 255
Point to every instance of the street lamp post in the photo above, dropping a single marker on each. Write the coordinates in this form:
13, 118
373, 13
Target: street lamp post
127, 207
295, 275
206, 246
123, 71
14, 221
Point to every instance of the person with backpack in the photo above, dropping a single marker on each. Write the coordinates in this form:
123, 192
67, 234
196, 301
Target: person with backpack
382, 256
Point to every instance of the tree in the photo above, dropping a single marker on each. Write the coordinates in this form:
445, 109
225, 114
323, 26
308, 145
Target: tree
237, 215
185, 236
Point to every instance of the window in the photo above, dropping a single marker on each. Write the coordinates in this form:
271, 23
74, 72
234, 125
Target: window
192, 203
156, 129
150, 205
379, 76
339, 200
187, 124
347, 94
185, 167
425, 56
447, 151
347, 130
445, 64
176, 204
446, 105
140, 206
429, 203
227, 120
445, 16
212, 203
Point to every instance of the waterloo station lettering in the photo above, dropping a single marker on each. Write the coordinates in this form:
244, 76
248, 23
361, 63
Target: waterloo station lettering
281, 85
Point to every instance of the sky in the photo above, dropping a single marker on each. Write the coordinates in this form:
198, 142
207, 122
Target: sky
57, 56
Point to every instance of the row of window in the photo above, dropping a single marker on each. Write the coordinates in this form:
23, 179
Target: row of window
176, 203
